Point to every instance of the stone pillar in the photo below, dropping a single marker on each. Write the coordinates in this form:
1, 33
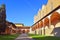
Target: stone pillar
30, 30
11, 30
35, 32
16, 30
49, 21
43, 27
50, 29
38, 28
40, 31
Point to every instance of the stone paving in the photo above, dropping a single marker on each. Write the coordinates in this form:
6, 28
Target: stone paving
23, 37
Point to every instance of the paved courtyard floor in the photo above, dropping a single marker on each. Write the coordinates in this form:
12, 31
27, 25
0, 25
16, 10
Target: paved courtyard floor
23, 37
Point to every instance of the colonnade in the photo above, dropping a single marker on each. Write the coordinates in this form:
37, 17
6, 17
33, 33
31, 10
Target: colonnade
48, 23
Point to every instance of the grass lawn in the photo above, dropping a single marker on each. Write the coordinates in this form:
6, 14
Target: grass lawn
8, 37
39, 37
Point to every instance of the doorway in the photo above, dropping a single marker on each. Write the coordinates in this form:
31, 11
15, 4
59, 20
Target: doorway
23, 31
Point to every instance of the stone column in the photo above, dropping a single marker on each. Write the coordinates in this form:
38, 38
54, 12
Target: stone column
49, 29
43, 27
40, 31
11, 30
30, 30
49, 20
16, 30
38, 28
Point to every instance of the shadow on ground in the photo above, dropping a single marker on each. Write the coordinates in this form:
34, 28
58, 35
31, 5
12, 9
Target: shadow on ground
56, 31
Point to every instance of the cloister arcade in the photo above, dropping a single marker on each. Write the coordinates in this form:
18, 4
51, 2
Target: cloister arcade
48, 23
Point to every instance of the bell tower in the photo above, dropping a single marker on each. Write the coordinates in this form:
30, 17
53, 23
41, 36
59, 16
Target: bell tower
2, 18
3, 11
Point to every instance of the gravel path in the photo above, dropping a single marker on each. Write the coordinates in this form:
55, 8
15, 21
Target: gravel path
23, 37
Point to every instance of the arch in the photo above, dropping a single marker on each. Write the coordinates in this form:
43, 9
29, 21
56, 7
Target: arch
20, 31
41, 24
32, 29
55, 18
27, 30
23, 31
46, 21
37, 26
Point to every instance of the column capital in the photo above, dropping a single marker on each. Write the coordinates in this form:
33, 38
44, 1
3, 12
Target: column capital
58, 11
49, 16
43, 20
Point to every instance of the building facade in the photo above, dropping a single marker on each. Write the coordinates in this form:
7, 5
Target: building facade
21, 28
47, 20
7, 27
51, 5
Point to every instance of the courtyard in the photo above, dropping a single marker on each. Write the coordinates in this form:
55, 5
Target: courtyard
28, 21
25, 36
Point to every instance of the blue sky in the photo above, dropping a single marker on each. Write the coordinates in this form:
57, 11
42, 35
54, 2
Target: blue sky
22, 11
